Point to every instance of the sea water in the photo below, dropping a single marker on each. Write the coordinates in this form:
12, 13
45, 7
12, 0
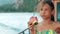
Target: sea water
14, 23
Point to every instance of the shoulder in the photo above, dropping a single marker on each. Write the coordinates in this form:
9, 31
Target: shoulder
56, 25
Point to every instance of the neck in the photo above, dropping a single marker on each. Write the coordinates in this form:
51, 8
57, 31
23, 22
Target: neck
47, 21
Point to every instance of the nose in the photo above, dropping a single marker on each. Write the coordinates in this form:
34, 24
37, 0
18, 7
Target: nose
43, 12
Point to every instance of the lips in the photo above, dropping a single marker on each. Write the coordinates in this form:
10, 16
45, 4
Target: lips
43, 15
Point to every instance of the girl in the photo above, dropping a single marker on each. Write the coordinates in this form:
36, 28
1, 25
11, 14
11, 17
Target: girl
46, 10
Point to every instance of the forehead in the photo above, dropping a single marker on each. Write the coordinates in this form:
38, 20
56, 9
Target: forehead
42, 5
45, 6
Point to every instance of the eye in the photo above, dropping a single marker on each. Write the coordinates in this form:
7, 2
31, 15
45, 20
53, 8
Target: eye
41, 9
46, 9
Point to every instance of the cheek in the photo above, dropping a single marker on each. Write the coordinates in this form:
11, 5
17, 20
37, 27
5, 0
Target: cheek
48, 11
41, 12
48, 14
44, 13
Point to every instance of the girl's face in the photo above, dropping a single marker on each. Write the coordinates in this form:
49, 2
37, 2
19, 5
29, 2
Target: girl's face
45, 11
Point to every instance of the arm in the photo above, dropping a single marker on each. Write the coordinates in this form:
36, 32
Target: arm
33, 32
58, 28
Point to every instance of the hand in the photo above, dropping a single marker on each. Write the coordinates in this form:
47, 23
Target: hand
58, 30
30, 23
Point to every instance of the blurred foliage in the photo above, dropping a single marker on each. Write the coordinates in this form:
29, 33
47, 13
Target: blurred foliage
27, 6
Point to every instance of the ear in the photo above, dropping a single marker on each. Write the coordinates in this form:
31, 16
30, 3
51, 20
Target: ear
53, 12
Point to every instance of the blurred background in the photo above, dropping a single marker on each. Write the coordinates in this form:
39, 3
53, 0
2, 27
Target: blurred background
14, 15
58, 11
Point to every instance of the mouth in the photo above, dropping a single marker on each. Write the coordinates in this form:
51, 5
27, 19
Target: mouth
43, 16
